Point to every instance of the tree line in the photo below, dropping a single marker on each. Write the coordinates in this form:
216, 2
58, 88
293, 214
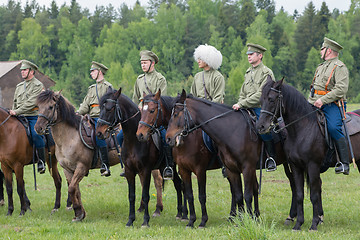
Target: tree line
63, 40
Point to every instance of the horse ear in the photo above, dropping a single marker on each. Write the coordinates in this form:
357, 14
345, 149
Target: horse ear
57, 95
278, 84
118, 93
109, 89
144, 94
157, 95
183, 96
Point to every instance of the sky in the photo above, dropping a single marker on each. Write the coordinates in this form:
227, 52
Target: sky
289, 5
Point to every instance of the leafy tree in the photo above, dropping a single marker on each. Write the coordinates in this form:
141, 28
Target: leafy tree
269, 6
247, 16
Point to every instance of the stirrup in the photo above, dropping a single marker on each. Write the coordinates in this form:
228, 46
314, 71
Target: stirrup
41, 170
105, 170
168, 168
342, 168
268, 160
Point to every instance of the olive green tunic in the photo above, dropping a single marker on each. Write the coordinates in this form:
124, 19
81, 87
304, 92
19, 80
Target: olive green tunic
255, 79
214, 84
90, 104
25, 96
149, 83
339, 82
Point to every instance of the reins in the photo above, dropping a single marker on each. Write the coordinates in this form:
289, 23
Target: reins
154, 127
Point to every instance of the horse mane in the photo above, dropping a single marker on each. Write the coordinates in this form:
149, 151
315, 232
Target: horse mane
66, 109
292, 98
130, 105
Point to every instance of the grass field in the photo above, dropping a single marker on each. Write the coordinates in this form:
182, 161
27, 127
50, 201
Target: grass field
105, 200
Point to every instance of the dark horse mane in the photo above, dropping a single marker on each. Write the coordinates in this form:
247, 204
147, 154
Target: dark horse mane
167, 101
292, 98
66, 109
209, 103
132, 108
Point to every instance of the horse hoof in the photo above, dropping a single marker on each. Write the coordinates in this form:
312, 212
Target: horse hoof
69, 208
2, 202
288, 221
80, 218
145, 226
184, 219
156, 214
54, 211
201, 227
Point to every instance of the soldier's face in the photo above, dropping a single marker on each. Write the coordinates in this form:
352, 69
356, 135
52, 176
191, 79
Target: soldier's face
94, 74
201, 63
254, 58
145, 64
26, 74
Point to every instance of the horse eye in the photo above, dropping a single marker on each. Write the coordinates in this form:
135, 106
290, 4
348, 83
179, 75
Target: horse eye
51, 107
152, 110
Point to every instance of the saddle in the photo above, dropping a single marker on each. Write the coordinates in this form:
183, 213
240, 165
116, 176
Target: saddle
352, 123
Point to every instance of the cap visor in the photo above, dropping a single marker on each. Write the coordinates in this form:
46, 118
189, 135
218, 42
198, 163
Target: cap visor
249, 52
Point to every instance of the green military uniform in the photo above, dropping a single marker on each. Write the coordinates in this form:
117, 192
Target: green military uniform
214, 84
255, 79
149, 83
25, 96
95, 92
91, 101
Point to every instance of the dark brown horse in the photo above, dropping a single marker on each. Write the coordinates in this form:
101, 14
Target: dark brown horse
237, 141
15, 153
305, 145
2, 202
139, 157
191, 155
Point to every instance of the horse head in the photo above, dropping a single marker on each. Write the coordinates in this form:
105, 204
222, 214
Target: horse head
48, 103
151, 116
271, 105
179, 122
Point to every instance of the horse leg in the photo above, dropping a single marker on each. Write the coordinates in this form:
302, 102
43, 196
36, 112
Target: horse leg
179, 192
1, 189
9, 189
249, 175
158, 182
57, 181
315, 193
19, 174
292, 214
130, 177
256, 197
186, 177
237, 198
146, 197
68, 201
201, 177
299, 182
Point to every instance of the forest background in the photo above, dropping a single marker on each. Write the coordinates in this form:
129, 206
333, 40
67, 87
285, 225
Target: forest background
63, 40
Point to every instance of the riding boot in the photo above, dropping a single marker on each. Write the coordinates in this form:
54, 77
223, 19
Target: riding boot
168, 173
270, 163
41, 160
342, 148
105, 167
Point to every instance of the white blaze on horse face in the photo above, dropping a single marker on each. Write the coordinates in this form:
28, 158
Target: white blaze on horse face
177, 141
145, 107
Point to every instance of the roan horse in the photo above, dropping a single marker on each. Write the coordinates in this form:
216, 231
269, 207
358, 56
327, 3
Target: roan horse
15, 153
237, 141
139, 157
190, 156
305, 144
71, 152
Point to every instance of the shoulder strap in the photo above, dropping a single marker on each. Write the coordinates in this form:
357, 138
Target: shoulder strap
328, 81
147, 87
205, 90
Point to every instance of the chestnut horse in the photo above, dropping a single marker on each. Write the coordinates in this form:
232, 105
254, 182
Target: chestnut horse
305, 145
191, 155
139, 157
15, 153
237, 141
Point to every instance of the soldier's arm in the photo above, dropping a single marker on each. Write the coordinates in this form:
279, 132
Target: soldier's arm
219, 89
340, 88
30, 102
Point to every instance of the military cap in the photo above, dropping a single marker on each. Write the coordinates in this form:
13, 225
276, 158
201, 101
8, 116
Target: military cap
98, 66
255, 48
148, 55
25, 64
328, 43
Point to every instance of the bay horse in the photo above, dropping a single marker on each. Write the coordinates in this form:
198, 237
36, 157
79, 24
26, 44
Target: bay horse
191, 155
305, 144
2, 202
139, 157
75, 158
237, 141
15, 153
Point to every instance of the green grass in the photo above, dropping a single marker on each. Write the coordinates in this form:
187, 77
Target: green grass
352, 106
106, 204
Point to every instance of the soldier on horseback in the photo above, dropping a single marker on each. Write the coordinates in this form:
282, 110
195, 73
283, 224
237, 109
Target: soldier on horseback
90, 105
24, 104
250, 93
329, 86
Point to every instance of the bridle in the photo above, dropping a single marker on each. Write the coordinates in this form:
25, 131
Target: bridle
51, 121
187, 118
154, 127
277, 115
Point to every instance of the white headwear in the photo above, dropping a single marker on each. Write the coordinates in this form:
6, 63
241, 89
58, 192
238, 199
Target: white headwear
209, 54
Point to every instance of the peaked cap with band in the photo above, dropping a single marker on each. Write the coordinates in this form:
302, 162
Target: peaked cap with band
98, 66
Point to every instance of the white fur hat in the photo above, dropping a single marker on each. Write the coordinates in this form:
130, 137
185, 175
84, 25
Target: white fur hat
208, 54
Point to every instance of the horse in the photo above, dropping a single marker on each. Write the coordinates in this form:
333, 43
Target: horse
15, 153
2, 202
305, 144
139, 157
191, 155
237, 141
75, 158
